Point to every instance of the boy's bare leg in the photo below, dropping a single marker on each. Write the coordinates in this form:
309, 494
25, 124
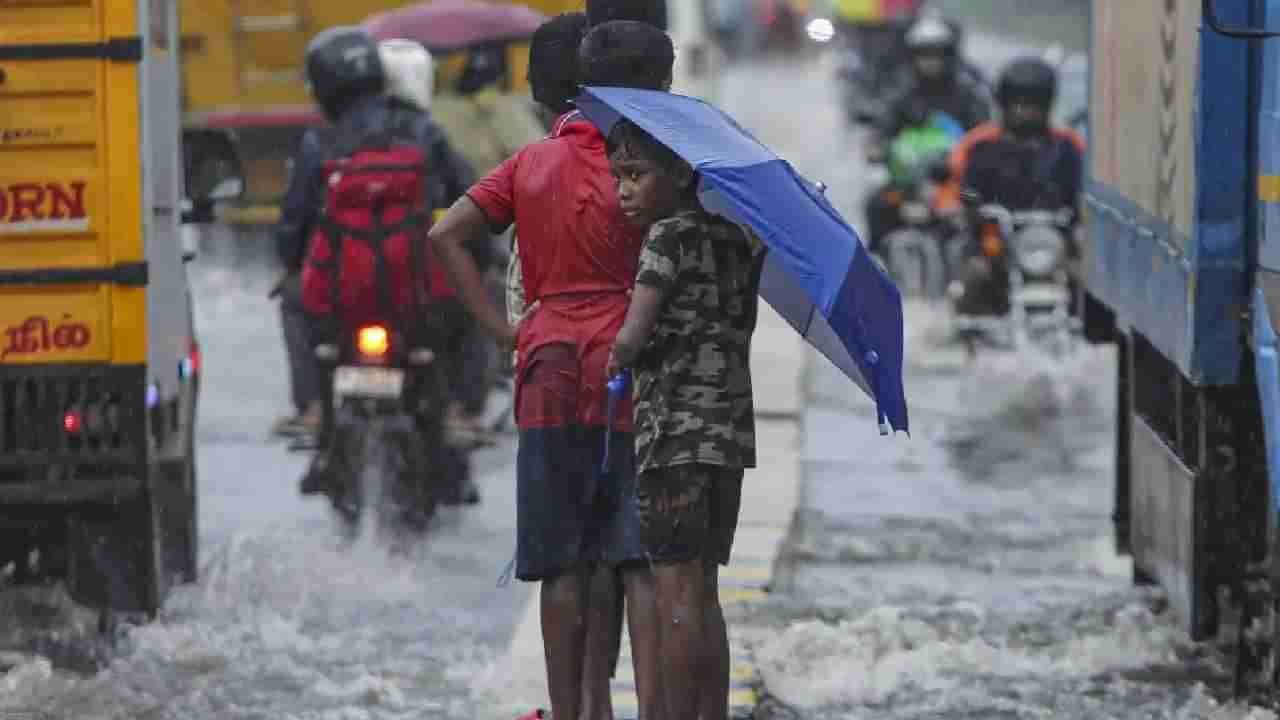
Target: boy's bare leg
682, 619
601, 641
715, 685
564, 634
642, 626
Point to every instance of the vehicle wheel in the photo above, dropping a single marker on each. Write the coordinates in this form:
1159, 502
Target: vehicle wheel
344, 487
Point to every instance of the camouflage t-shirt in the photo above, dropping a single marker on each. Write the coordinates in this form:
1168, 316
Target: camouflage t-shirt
693, 381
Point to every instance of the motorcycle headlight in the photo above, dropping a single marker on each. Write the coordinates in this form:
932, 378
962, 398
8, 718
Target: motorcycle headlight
821, 30
1040, 250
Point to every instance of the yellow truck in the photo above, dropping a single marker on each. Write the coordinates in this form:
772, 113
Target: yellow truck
245, 93
245, 88
99, 363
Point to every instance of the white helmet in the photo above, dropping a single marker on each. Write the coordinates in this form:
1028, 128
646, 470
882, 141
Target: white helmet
410, 72
932, 33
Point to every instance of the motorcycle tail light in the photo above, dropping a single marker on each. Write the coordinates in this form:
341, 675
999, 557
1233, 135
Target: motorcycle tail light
372, 341
72, 422
992, 242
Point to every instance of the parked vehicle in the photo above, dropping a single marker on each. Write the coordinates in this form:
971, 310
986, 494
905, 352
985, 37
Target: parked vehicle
99, 363
1184, 259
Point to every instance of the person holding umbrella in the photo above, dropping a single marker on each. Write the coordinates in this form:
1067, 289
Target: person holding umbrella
688, 335
579, 256
679, 161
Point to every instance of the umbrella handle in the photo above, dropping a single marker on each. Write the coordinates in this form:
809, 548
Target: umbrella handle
617, 384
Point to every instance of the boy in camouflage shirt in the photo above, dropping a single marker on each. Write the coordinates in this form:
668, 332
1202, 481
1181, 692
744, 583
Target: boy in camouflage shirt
687, 335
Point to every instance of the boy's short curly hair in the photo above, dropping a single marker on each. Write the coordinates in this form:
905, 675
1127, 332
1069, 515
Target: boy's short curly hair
626, 53
553, 61
637, 142
653, 12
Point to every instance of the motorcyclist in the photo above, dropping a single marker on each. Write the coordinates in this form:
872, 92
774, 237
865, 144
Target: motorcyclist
487, 124
872, 32
939, 84
1022, 163
939, 81
348, 79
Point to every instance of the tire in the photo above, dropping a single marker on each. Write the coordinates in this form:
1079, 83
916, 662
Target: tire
343, 484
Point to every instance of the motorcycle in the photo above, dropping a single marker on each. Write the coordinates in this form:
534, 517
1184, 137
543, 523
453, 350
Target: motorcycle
385, 453
916, 253
1025, 294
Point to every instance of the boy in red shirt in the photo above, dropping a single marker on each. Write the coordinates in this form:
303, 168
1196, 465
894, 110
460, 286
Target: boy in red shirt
578, 257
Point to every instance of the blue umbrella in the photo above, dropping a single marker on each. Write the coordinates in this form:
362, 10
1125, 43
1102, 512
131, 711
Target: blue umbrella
817, 275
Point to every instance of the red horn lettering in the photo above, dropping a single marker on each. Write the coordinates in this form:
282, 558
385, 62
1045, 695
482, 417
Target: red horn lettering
27, 201
66, 204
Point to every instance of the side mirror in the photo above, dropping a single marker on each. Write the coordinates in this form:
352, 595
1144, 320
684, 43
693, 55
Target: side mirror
231, 188
213, 175
198, 212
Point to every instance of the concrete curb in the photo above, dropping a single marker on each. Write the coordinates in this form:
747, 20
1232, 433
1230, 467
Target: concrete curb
771, 496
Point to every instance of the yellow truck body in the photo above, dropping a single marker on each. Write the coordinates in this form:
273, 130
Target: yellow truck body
69, 136
244, 80
98, 361
245, 87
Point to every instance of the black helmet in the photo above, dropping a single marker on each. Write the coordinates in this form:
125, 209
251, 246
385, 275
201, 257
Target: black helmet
1028, 79
932, 33
653, 12
485, 66
342, 67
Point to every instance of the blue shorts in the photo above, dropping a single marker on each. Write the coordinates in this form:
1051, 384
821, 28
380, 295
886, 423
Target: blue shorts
570, 513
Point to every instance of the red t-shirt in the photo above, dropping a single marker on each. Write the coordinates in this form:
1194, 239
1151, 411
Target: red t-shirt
578, 254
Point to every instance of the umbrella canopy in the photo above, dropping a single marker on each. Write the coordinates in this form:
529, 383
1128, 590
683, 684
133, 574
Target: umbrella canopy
445, 25
817, 275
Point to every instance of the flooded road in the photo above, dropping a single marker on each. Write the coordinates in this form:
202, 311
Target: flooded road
287, 620
966, 572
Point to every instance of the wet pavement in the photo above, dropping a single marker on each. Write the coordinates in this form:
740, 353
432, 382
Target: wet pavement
288, 620
967, 571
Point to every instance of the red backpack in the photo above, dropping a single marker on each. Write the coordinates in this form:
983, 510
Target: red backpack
369, 257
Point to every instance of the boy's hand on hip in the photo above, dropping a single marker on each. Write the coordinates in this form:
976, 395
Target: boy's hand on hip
613, 368
507, 339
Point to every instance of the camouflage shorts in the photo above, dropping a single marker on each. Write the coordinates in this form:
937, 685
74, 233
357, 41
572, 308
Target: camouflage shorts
689, 511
